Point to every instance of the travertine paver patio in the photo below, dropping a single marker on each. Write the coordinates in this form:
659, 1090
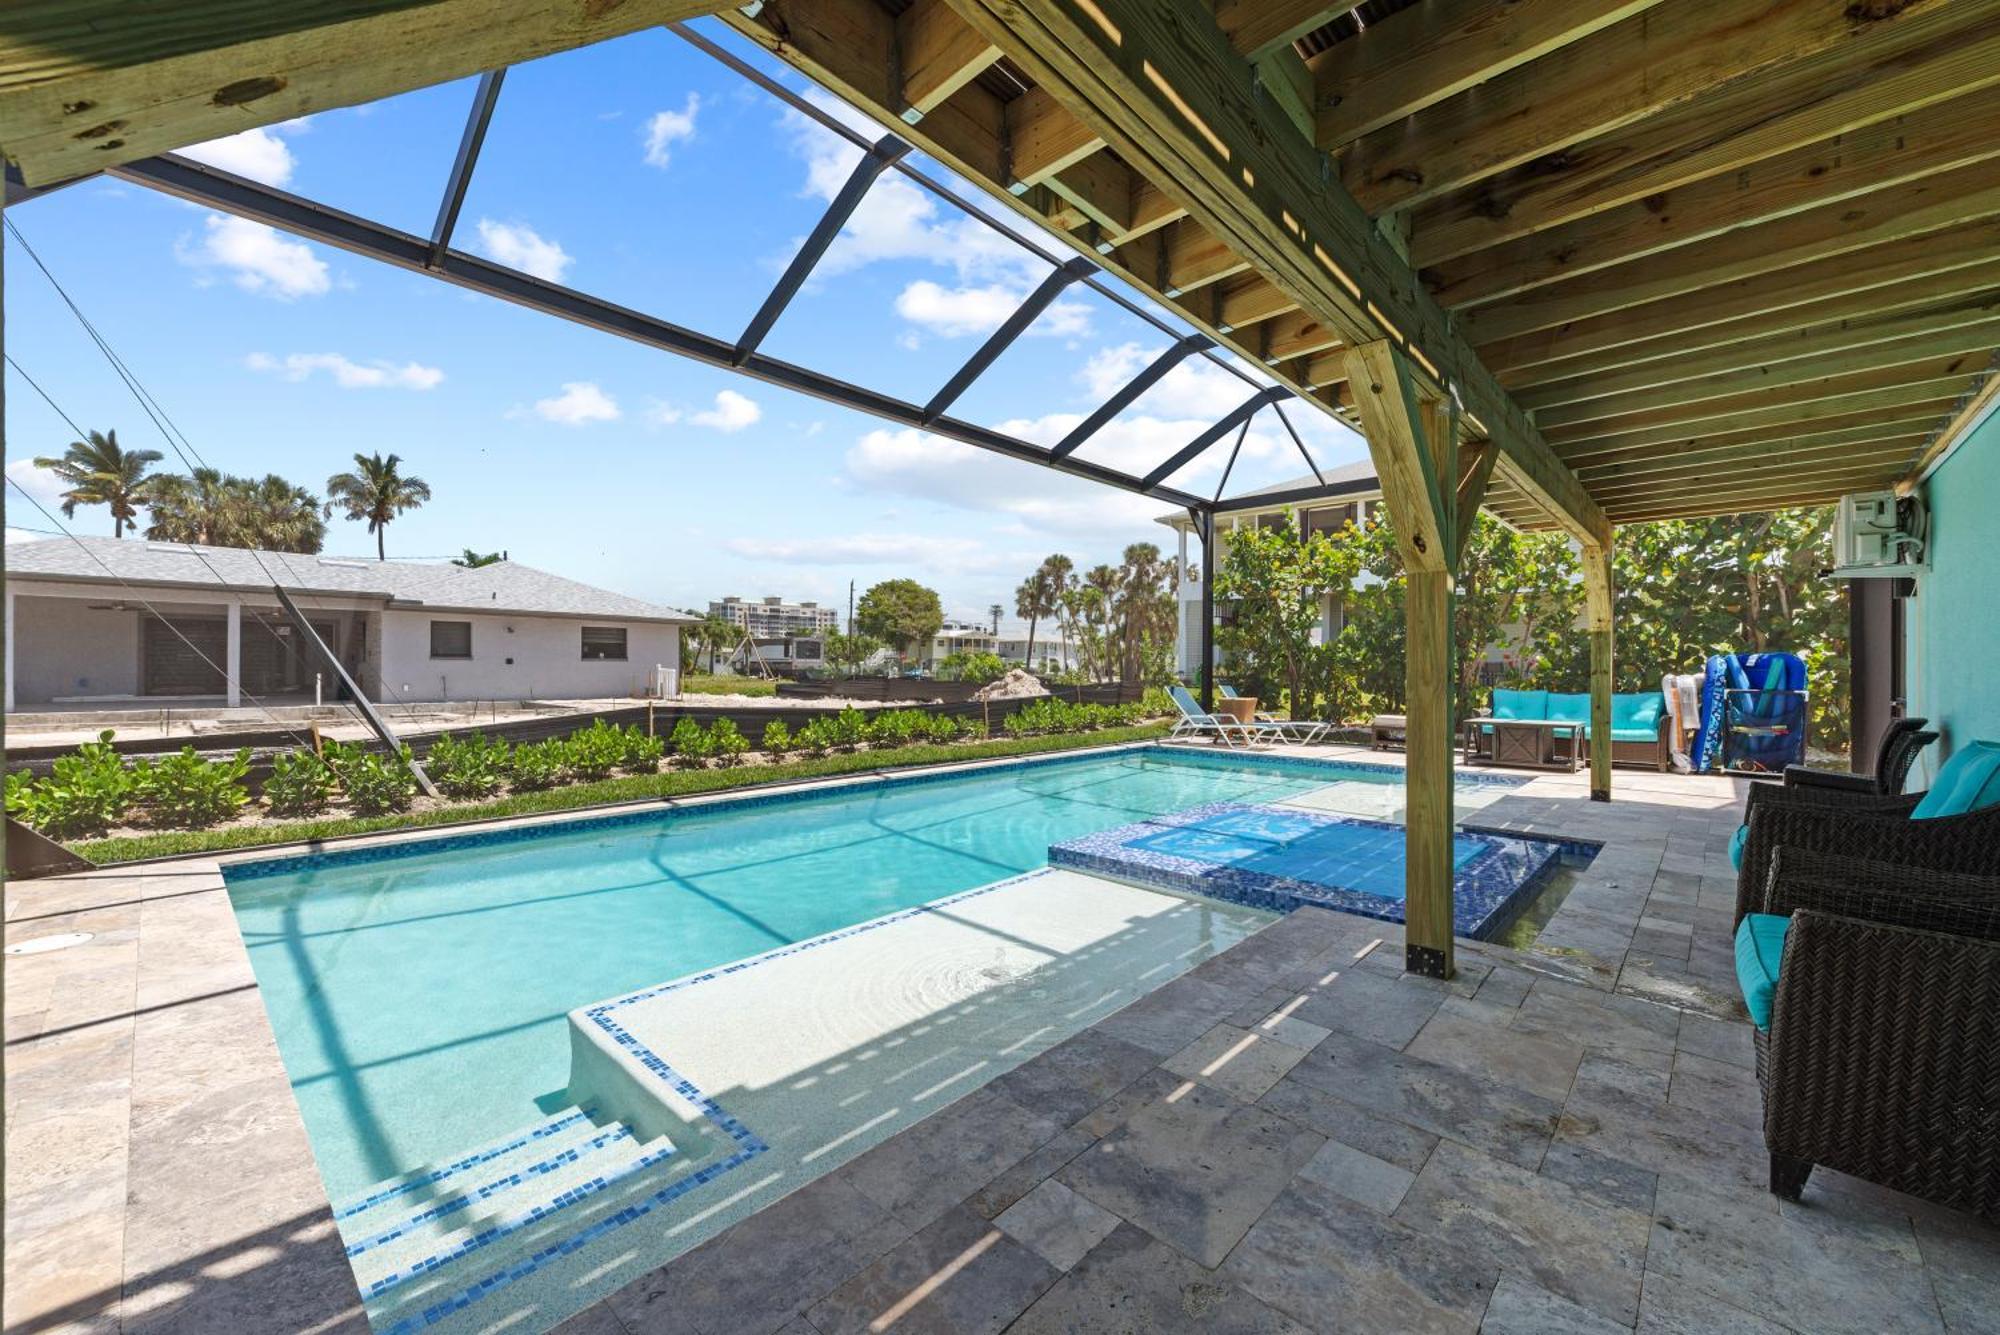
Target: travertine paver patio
1294, 1136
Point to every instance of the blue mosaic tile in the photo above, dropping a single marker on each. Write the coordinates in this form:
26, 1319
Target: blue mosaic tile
1253, 854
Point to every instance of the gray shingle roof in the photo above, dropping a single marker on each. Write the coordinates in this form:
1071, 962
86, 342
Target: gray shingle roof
1362, 470
506, 586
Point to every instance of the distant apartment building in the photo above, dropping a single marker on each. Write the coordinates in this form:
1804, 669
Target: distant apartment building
774, 618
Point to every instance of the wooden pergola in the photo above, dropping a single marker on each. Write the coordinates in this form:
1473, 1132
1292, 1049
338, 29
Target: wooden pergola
1578, 262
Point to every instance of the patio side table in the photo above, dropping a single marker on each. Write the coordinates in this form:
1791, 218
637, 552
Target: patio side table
1533, 743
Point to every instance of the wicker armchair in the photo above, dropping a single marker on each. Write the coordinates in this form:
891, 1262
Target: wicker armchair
1901, 742
1812, 819
1883, 1055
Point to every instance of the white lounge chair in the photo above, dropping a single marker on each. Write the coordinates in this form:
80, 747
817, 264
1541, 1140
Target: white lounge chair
1196, 722
1303, 730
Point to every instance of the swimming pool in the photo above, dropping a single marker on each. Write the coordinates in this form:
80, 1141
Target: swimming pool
421, 993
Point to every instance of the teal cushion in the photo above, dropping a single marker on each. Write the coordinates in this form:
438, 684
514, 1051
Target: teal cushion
1520, 704
1569, 708
1635, 734
1736, 842
1969, 781
1760, 949
1637, 711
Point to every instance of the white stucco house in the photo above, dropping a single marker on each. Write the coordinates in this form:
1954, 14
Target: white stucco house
103, 620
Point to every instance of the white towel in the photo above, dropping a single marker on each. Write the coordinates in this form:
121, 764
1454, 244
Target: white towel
1683, 698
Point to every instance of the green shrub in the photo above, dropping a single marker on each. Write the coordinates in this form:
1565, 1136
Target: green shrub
301, 784
690, 744
536, 766
777, 739
642, 751
183, 791
726, 742
374, 784
596, 751
850, 729
469, 767
895, 727
816, 737
976, 668
940, 728
83, 794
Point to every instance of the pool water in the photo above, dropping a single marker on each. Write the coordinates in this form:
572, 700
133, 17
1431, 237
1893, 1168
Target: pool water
419, 997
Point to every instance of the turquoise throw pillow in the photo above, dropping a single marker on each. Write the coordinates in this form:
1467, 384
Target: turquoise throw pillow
1969, 781
1760, 950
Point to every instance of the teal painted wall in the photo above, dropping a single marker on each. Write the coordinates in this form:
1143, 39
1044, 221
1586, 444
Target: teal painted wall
1954, 622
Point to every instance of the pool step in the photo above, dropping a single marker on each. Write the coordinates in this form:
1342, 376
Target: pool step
418, 1233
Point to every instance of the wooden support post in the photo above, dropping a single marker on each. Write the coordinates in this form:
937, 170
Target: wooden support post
1208, 611
1597, 589
1427, 817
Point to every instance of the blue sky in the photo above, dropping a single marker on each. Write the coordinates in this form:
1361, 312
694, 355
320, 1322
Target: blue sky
643, 171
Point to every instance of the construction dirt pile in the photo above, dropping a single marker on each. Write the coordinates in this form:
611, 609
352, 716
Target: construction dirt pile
1016, 685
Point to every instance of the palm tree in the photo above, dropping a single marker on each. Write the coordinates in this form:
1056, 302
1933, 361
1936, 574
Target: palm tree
189, 508
1040, 595
215, 509
377, 492
473, 560
101, 472
1145, 605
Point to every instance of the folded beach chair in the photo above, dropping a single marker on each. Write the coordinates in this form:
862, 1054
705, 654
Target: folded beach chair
1302, 730
1195, 722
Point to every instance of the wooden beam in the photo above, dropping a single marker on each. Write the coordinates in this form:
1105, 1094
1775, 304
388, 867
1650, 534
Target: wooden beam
1598, 603
939, 53
1102, 189
1768, 302
91, 84
1251, 299
1621, 74
1882, 74
1417, 57
1878, 158
1393, 425
1043, 137
1760, 402
1475, 472
1860, 307
1427, 774
1161, 84
1295, 335
1962, 421
1928, 403
1701, 498
1258, 27
1852, 343
1902, 439
1196, 257
1932, 204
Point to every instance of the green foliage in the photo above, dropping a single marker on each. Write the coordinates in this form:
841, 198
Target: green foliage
1279, 586
900, 612
977, 668
186, 792
1051, 714
595, 751
816, 737
850, 729
690, 744
726, 742
536, 766
777, 739
468, 767
641, 753
373, 784
83, 794
301, 784
893, 727
727, 683
850, 653
1118, 619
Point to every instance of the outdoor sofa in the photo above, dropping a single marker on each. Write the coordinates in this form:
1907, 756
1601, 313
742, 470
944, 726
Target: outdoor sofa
1868, 955
1639, 723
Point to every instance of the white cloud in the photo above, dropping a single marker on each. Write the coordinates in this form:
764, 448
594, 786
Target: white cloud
732, 412
39, 483
956, 312
664, 129
580, 402
661, 413
519, 246
944, 555
258, 154
257, 258
377, 374
932, 468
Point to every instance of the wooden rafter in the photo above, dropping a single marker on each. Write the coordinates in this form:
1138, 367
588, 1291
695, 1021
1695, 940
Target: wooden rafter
84, 87
938, 53
1256, 28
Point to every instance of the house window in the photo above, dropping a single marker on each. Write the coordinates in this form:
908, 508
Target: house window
604, 642
451, 639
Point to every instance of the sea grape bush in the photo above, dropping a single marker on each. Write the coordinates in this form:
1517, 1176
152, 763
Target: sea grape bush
301, 784
536, 766
467, 767
725, 742
183, 791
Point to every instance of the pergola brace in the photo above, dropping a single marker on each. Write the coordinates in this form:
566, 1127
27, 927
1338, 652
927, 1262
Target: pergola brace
1238, 416
469, 143
888, 151
1003, 337
1130, 392
331, 663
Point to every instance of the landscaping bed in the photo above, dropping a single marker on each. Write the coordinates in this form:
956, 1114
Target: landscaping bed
109, 810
